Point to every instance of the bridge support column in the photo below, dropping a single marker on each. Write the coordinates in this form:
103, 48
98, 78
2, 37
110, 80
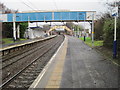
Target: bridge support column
14, 27
18, 31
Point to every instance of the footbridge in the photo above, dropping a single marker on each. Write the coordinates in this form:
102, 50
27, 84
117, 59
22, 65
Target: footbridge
64, 27
48, 16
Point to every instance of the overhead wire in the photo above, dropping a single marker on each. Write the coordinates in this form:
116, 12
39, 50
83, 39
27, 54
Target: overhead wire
55, 4
28, 5
30, 8
33, 5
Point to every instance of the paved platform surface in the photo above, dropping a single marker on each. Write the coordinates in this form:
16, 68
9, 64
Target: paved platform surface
51, 75
76, 65
85, 68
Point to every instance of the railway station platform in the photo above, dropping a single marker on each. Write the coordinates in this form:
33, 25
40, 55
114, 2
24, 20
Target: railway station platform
7, 47
76, 65
20, 42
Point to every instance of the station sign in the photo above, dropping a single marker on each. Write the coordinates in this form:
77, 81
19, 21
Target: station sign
115, 11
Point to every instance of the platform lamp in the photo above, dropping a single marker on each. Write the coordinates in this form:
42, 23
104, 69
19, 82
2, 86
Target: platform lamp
84, 29
77, 28
92, 27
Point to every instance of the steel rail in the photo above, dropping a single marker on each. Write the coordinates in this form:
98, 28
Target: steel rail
9, 80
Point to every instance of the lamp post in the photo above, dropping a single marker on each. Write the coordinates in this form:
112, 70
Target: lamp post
28, 30
78, 25
84, 28
93, 29
84, 25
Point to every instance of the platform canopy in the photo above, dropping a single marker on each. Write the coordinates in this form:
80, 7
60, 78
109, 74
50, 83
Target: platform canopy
53, 16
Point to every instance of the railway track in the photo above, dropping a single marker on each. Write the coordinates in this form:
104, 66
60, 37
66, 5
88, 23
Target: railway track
34, 61
22, 50
20, 56
9, 66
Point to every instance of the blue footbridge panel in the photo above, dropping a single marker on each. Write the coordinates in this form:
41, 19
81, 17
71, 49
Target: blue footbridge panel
47, 16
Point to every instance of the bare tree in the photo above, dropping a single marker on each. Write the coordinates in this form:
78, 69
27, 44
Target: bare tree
6, 10
70, 25
46, 27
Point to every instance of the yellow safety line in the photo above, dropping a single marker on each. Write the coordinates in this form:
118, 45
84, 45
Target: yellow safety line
55, 78
23, 44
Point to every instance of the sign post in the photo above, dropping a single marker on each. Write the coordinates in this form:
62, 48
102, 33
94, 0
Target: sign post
115, 13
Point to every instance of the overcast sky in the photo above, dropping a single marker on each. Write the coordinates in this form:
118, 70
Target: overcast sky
81, 5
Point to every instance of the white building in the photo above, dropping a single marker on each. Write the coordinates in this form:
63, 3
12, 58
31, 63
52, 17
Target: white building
34, 32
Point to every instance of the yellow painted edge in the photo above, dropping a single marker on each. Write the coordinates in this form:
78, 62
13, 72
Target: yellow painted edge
23, 44
55, 79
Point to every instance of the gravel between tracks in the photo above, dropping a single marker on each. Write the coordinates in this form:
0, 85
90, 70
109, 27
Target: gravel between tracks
25, 79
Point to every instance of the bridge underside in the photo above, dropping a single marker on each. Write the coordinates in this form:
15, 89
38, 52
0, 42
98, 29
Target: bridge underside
53, 21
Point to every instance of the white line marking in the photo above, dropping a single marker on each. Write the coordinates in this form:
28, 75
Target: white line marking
35, 83
41, 75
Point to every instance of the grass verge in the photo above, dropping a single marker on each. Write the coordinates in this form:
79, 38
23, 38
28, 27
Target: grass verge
89, 42
98, 45
10, 40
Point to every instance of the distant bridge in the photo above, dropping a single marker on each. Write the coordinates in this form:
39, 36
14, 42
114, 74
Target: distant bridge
55, 27
64, 27
59, 16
